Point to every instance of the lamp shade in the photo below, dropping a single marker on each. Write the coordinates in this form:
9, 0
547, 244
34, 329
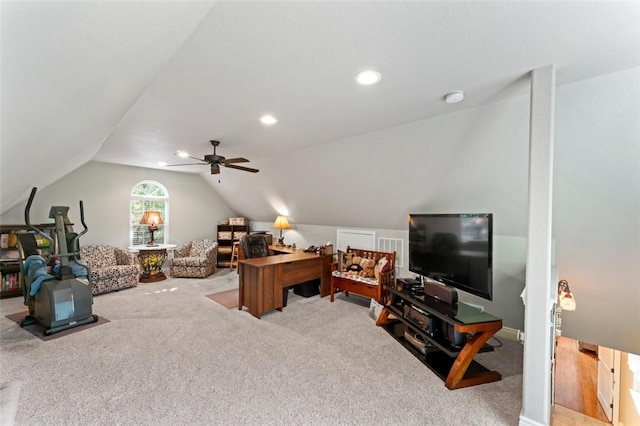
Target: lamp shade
565, 297
151, 217
281, 223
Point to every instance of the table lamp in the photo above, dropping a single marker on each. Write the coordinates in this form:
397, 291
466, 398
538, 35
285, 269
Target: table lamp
153, 219
281, 223
565, 298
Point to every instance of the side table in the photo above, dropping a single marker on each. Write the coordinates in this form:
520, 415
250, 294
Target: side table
151, 259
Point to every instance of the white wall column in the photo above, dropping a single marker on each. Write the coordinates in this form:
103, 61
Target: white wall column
536, 390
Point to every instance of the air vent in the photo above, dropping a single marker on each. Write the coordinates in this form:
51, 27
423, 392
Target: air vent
393, 244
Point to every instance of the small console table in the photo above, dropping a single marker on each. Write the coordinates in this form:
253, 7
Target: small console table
407, 315
151, 259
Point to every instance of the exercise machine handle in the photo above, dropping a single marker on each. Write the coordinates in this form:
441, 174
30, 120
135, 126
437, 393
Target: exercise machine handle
27, 221
74, 242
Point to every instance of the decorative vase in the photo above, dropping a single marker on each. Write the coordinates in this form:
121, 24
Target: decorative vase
13, 239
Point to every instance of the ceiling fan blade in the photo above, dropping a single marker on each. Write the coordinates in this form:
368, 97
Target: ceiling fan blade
187, 164
234, 160
215, 169
246, 169
189, 156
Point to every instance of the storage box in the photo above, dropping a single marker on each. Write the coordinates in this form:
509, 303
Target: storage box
308, 289
224, 235
236, 221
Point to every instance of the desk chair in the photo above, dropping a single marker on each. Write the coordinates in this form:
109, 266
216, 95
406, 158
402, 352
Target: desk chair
255, 245
234, 256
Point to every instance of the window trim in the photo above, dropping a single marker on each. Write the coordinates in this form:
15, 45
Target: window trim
136, 197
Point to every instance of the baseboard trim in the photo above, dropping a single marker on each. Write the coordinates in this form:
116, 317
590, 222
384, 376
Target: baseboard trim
508, 333
525, 421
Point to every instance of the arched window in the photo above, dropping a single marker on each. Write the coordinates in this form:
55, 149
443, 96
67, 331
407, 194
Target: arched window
148, 195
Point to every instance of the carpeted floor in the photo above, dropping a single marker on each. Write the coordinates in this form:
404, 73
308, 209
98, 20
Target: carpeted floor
170, 355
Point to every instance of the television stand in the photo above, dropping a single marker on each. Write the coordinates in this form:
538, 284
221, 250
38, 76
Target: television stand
417, 322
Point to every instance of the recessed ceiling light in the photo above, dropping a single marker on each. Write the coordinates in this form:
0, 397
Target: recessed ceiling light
182, 154
368, 77
268, 120
162, 163
454, 97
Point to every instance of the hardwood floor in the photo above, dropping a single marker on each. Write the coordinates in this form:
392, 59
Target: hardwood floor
575, 383
562, 416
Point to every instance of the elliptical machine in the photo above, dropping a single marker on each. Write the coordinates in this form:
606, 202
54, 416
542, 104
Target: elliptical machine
61, 301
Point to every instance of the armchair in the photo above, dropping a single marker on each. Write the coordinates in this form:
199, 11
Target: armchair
110, 268
194, 259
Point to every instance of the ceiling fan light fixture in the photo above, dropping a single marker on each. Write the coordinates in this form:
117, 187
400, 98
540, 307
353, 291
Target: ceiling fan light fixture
368, 77
268, 120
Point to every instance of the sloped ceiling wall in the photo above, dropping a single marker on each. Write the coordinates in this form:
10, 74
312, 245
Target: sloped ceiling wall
596, 207
475, 160
132, 82
80, 73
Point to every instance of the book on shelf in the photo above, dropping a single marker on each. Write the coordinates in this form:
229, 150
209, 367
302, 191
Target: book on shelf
11, 281
9, 255
40, 239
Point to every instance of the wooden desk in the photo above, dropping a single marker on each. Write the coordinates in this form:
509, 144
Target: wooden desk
263, 279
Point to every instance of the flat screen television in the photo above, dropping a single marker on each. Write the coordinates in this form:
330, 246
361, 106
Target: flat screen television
453, 249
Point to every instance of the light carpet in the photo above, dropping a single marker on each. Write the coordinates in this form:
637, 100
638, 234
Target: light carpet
170, 355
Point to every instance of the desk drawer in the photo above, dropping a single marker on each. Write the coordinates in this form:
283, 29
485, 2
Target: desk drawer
300, 271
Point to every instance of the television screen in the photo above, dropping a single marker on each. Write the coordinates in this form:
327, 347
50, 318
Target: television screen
454, 249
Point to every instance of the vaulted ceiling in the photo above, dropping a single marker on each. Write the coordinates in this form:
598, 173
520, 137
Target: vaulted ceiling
133, 82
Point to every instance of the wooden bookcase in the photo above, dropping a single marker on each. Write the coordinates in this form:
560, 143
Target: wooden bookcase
227, 235
12, 279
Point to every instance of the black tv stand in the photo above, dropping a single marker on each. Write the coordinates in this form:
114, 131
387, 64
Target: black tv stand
408, 316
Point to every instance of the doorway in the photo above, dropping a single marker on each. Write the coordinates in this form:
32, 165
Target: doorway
576, 379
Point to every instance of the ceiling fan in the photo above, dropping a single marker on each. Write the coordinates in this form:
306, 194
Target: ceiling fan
215, 161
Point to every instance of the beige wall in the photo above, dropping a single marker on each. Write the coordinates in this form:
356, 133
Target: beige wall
194, 207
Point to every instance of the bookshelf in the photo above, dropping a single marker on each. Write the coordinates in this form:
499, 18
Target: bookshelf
227, 235
11, 279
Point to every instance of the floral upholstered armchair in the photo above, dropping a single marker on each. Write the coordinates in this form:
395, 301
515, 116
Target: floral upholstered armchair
195, 259
110, 268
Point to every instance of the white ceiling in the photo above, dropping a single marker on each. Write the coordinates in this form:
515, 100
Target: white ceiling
133, 82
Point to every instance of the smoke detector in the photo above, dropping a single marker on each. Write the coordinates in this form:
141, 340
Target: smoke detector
454, 97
